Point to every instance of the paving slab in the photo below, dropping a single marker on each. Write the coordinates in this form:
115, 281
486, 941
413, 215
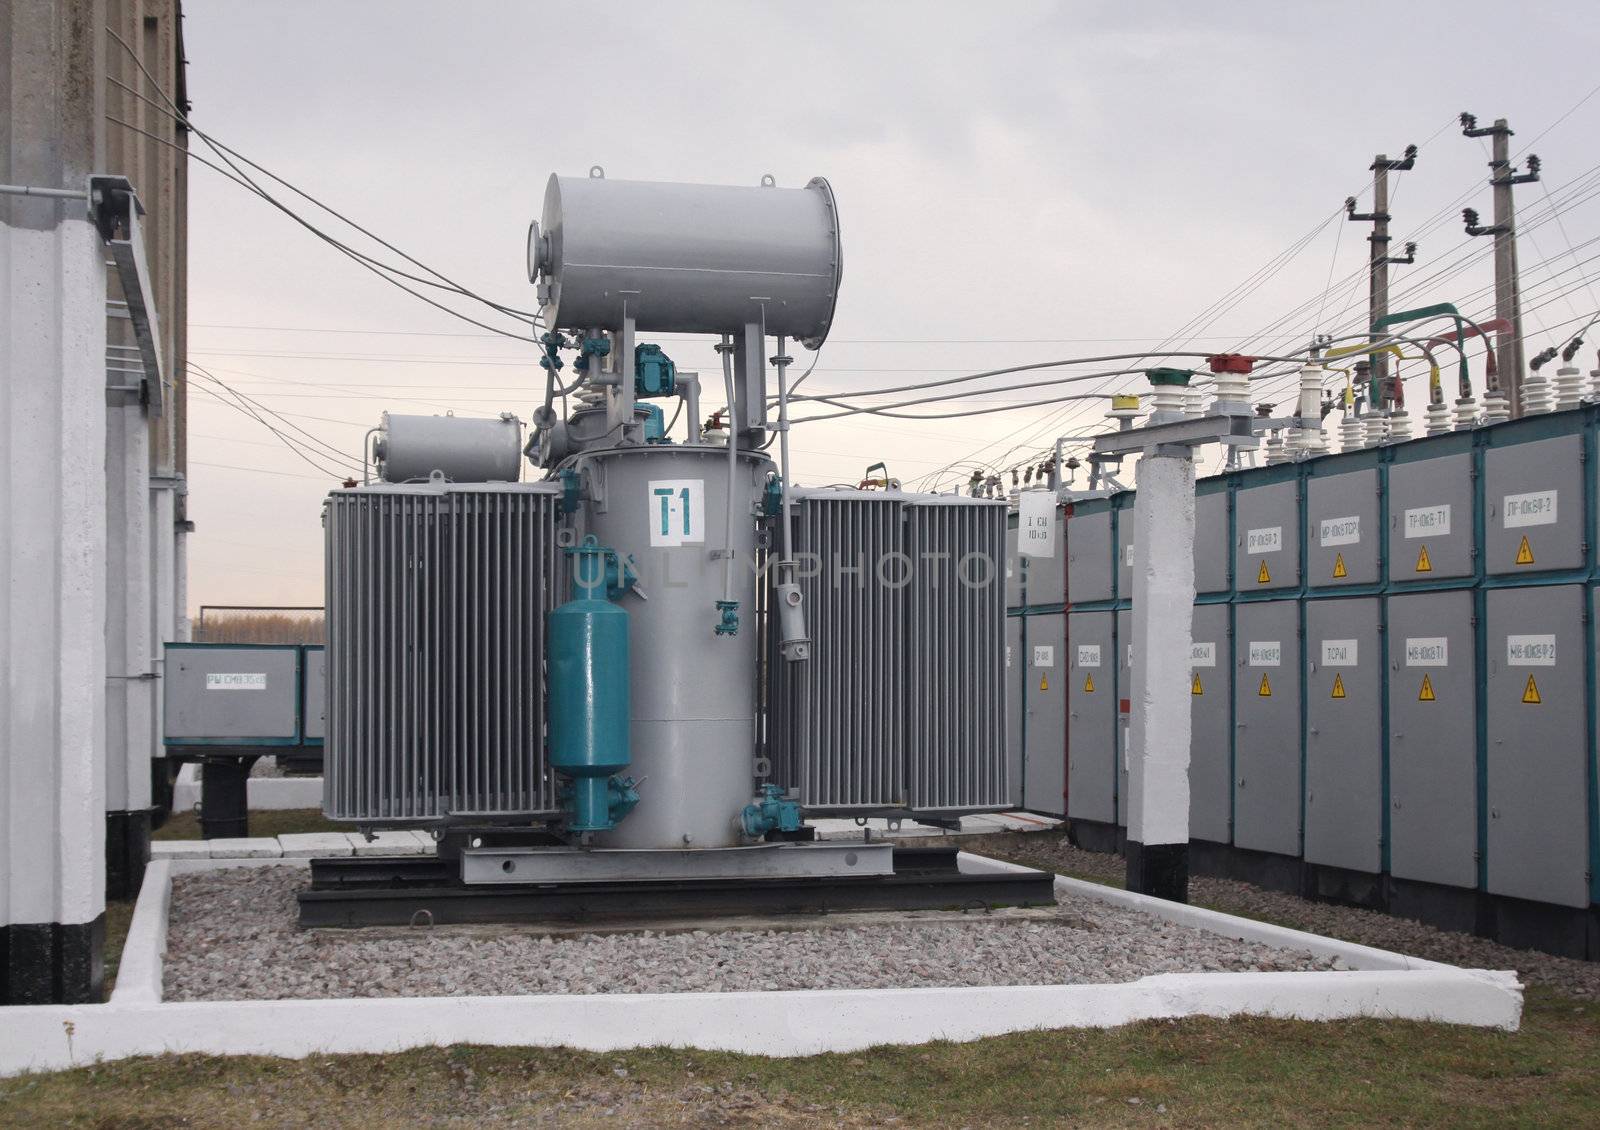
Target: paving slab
307, 845
402, 842
180, 849
253, 847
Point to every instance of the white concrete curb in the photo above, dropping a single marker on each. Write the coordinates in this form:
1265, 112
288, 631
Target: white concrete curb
262, 794
1380, 984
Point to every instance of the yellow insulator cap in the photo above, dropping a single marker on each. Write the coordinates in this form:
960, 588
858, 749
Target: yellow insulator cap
1125, 402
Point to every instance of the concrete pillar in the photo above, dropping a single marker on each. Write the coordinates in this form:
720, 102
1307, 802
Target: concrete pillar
130, 673
52, 508
164, 586
1158, 739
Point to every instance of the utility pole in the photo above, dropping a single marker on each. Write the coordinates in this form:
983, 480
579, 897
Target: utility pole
1379, 260
1507, 292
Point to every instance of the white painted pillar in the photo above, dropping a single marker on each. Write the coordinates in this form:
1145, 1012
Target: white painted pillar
164, 587
130, 682
180, 563
1158, 740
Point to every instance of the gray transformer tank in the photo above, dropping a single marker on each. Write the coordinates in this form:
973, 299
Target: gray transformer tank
664, 508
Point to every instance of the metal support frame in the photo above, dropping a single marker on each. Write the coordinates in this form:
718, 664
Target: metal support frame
488, 866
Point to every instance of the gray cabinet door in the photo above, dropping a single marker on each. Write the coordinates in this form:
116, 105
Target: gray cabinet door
1537, 748
314, 708
1124, 694
1211, 548
1433, 739
1344, 735
1430, 519
1126, 549
1266, 694
1342, 532
1089, 556
1044, 697
1013, 569
1211, 741
1091, 717
1015, 672
1266, 538
1533, 506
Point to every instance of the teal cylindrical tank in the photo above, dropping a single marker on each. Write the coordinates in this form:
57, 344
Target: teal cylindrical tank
589, 701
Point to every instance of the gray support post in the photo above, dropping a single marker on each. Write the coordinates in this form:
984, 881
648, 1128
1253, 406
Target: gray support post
1378, 283
1507, 299
52, 491
1163, 607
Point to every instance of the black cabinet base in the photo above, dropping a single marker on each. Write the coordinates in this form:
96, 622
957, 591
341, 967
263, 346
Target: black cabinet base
127, 852
1159, 870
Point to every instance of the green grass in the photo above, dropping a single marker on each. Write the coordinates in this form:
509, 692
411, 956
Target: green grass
1203, 1072
186, 825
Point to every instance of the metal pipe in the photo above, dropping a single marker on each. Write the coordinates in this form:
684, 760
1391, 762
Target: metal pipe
52, 193
726, 349
781, 361
689, 390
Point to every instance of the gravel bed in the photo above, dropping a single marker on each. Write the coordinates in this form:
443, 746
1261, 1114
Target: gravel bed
1568, 976
232, 936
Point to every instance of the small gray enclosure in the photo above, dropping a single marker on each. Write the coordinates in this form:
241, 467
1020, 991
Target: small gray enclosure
1430, 519
234, 696
1534, 491
1342, 532
1044, 694
1266, 525
1091, 717
1124, 693
1433, 792
1537, 751
314, 702
1211, 742
1015, 672
1089, 556
1344, 736
1267, 727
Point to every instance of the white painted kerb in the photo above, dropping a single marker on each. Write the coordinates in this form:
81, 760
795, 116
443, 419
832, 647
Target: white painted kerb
1380, 984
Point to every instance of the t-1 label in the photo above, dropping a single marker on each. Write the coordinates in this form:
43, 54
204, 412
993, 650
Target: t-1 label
1427, 651
1428, 521
1268, 539
1340, 531
1202, 654
1036, 523
1044, 655
1339, 653
677, 511
1531, 651
242, 681
1088, 655
1265, 653
1535, 509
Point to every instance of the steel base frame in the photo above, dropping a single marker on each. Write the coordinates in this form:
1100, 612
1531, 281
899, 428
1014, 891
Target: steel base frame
412, 891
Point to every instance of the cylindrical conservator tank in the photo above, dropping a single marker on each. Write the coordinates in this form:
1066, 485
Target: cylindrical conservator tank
464, 449
589, 710
689, 258
693, 691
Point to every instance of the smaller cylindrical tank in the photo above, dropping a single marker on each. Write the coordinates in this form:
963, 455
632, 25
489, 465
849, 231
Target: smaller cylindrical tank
589, 694
464, 449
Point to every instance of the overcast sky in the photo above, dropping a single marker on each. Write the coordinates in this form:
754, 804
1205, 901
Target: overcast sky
1017, 182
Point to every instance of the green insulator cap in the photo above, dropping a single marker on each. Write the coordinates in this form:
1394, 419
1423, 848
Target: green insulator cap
1178, 377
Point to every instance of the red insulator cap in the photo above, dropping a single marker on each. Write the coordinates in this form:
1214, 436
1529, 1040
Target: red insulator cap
1231, 363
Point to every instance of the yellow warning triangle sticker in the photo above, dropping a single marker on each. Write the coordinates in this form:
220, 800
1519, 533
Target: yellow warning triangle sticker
1524, 552
1338, 566
1424, 565
1044, 682
1262, 576
1426, 693
1530, 693
1194, 688
1266, 687
1088, 684
1338, 686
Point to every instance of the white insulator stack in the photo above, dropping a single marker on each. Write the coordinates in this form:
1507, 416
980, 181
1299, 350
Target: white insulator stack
1538, 398
1352, 433
1438, 418
1496, 409
1273, 453
1377, 429
1194, 404
1317, 441
1167, 402
1466, 414
1569, 388
1309, 407
1399, 426
1232, 388
1594, 376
